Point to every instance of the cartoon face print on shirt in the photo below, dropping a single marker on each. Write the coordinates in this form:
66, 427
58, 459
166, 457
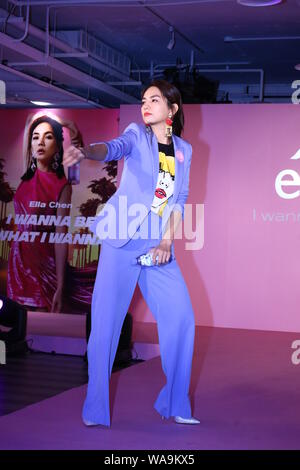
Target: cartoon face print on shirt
165, 183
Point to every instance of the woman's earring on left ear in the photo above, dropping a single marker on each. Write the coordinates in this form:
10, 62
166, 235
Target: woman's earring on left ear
33, 164
169, 123
55, 163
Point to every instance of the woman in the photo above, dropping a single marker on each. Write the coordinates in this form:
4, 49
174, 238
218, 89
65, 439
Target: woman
36, 268
155, 179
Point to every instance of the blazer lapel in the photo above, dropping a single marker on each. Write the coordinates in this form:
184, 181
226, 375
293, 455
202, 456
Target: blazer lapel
155, 161
179, 166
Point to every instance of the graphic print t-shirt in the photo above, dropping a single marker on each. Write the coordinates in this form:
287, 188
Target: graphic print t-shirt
166, 177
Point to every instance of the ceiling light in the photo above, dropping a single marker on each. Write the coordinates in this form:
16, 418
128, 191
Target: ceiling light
41, 103
258, 3
297, 67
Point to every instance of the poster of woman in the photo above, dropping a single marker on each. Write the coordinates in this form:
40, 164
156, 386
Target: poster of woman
48, 254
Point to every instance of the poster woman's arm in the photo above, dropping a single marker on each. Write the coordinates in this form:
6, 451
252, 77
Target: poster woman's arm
61, 251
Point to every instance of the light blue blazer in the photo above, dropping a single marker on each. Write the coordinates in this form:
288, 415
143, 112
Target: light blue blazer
139, 147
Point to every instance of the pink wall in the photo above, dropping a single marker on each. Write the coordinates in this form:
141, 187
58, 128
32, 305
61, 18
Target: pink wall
247, 274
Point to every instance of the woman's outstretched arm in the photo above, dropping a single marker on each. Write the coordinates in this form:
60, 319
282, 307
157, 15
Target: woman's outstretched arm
114, 149
77, 150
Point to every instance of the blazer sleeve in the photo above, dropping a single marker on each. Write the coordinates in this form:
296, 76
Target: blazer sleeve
184, 192
122, 145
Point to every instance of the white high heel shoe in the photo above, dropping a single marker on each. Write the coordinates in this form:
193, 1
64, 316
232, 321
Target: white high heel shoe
180, 420
89, 423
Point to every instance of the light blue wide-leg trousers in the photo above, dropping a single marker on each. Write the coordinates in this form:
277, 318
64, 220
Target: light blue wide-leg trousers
165, 292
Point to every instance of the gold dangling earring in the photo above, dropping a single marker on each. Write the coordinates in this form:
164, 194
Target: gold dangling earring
169, 123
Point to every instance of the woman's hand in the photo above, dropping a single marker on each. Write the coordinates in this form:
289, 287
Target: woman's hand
163, 251
56, 306
72, 155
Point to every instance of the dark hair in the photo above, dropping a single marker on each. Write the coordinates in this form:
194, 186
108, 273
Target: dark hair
172, 95
58, 135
